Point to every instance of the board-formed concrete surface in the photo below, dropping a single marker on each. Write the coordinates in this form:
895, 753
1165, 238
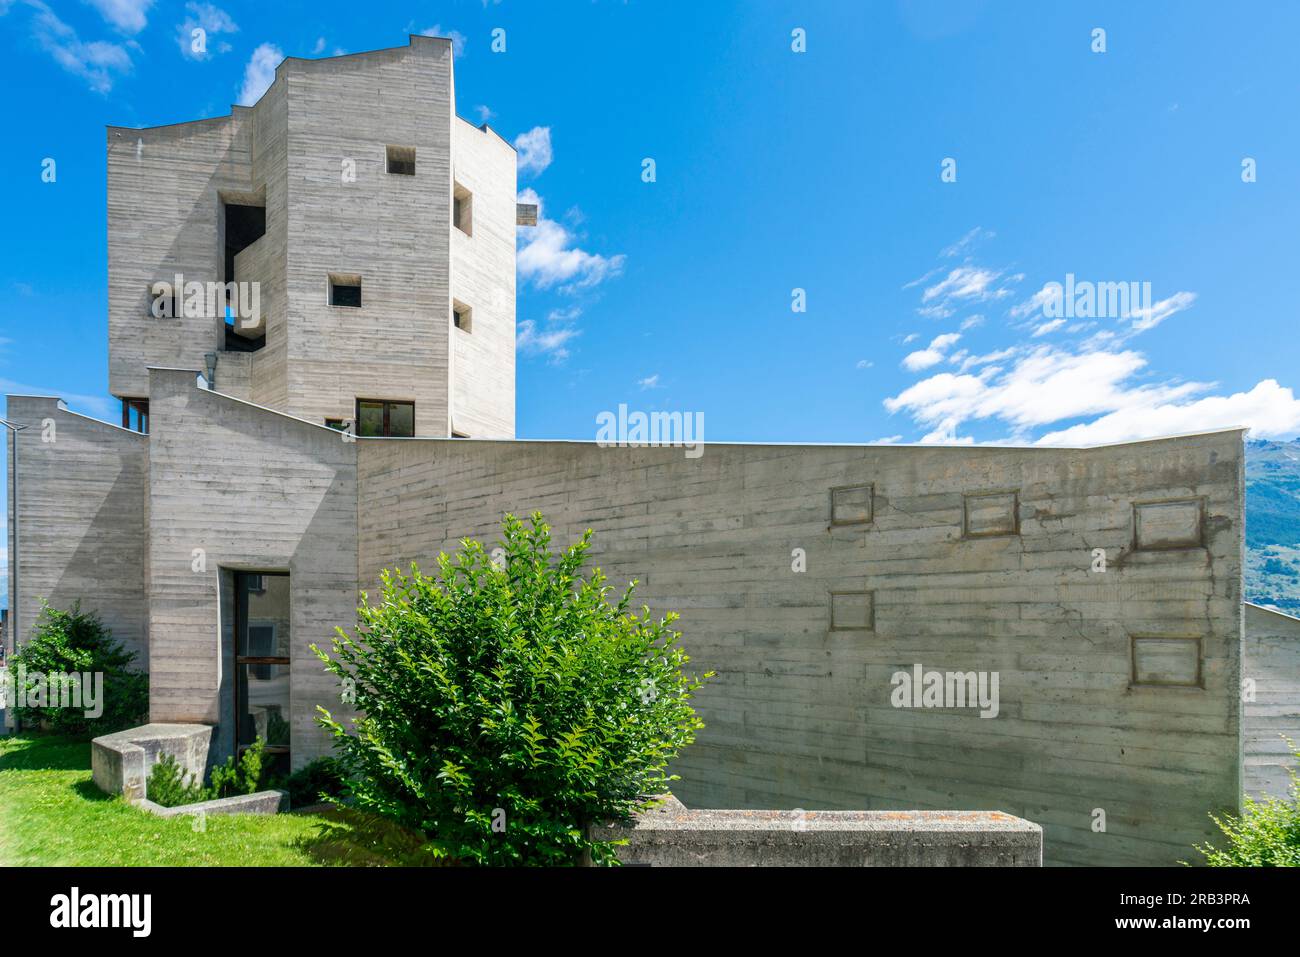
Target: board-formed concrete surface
121, 762
1271, 666
259, 802
675, 836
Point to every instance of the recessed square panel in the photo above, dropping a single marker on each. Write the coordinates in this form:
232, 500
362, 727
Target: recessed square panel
991, 513
852, 611
851, 504
1167, 661
1167, 524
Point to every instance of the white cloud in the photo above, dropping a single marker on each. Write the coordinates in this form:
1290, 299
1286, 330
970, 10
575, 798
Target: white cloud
213, 21
551, 342
964, 282
865, 364
1050, 326
259, 74
534, 150
976, 235
484, 114
319, 48
97, 62
129, 16
972, 322
1144, 319
1044, 386
888, 440
455, 36
649, 382
1036, 302
1269, 410
931, 355
547, 256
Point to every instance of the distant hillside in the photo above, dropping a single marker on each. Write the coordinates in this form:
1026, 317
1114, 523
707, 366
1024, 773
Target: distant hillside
1273, 524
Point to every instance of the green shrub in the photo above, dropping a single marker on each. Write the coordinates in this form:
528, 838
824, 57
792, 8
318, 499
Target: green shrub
64, 642
310, 784
242, 776
1265, 834
170, 785
505, 707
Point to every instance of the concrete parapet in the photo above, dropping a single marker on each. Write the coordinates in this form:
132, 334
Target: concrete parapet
674, 836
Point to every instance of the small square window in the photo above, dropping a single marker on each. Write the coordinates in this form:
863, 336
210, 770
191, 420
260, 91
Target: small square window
462, 316
401, 160
1168, 525
851, 504
853, 611
988, 514
345, 290
1170, 661
462, 210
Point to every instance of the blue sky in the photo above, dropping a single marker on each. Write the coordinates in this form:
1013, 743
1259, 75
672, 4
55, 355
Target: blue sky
775, 170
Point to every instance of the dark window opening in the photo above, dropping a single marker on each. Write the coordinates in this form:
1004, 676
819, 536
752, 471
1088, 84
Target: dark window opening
345, 291
381, 418
339, 425
462, 316
401, 160
245, 225
135, 415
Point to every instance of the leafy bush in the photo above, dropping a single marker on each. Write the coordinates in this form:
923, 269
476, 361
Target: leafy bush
170, 785
324, 777
505, 707
64, 642
1265, 834
242, 776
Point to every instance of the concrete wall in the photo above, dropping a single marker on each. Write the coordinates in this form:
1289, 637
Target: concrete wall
81, 515
392, 230
800, 714
1271, 658
483, 278
257, 491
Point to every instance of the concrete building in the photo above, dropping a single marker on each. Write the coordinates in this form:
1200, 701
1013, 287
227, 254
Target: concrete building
1099, 588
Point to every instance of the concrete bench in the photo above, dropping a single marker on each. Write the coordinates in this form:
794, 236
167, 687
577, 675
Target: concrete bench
675, 836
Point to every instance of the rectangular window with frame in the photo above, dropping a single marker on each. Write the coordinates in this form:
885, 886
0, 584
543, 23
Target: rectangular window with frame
384, 418
462, 209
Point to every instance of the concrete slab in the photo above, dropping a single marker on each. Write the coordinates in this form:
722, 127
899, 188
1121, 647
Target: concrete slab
120, 762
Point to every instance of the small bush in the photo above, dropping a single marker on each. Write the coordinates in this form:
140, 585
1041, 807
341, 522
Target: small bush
505, 707
170, 785
1265, 834
64, 642
312, 783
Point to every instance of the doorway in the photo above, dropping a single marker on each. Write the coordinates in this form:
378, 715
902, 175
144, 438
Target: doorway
261, 686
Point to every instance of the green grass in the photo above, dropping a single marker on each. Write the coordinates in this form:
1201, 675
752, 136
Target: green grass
52, 815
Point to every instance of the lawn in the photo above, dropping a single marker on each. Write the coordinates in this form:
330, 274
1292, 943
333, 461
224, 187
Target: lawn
52, 815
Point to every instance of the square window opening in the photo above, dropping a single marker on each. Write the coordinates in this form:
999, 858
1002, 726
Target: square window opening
345, 290
462, 316
401, 160
462, 210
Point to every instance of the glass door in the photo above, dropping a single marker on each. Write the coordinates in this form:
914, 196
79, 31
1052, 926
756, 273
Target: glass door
262, 635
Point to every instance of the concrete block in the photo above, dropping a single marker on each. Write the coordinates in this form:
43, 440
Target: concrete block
259, 802
120, 762
675, 836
